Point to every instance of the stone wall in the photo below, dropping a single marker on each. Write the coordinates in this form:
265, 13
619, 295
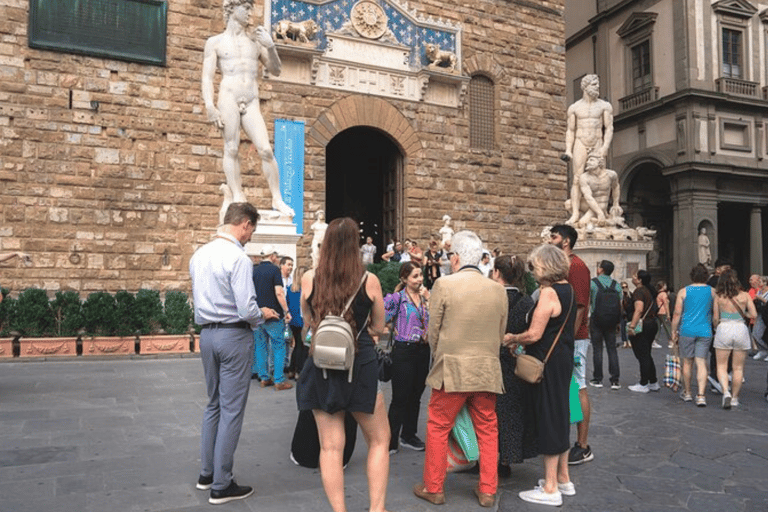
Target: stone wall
118, 196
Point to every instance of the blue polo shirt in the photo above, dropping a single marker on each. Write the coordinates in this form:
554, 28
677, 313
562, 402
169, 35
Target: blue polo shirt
266, 276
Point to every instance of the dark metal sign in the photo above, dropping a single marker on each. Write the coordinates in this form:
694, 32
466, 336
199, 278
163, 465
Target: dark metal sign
132, 30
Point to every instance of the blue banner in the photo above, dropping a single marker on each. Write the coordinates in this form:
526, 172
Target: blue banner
289, 152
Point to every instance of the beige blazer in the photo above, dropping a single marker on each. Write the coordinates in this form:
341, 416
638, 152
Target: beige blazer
467, 319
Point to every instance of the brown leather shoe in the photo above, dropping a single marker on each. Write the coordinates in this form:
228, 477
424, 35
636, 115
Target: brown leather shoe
266, 383
280, 386
485, 499
436, 498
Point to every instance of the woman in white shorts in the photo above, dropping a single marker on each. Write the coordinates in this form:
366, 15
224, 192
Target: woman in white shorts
733, 307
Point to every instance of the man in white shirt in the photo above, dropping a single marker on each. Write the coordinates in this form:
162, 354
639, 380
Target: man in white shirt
226, 307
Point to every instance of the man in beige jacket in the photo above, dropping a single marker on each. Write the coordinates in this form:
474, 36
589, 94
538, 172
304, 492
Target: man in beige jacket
468, 316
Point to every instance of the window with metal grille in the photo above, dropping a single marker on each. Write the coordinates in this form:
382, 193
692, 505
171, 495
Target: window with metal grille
641, 66
481, 122
732, 53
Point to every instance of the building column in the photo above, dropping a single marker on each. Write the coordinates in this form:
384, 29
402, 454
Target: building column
690, 211
756, 241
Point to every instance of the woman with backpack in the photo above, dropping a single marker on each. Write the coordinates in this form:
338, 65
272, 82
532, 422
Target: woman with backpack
407, 310
325, 291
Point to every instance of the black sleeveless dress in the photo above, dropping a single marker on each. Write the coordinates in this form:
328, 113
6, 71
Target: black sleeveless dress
335, 393
551, 395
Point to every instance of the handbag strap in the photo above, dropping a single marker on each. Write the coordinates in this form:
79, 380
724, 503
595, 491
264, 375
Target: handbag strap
738, 308
567, 316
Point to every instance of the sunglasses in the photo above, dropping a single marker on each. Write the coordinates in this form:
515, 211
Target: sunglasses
530, 266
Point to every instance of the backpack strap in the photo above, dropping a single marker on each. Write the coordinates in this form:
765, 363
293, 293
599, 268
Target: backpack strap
352, 298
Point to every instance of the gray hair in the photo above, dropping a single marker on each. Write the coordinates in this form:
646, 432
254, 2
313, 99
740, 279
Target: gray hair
468, 247
552, 263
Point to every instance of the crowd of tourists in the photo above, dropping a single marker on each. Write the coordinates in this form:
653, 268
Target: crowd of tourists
509, 354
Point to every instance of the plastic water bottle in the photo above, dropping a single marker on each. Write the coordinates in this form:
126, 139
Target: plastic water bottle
287, 333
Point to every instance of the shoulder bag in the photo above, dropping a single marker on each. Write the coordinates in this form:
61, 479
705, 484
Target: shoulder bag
639, 327
529, 368
384, 355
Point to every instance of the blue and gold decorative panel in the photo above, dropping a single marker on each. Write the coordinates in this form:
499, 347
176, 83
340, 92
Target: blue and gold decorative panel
403, 27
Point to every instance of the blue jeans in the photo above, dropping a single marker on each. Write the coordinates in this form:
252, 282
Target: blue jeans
269, 332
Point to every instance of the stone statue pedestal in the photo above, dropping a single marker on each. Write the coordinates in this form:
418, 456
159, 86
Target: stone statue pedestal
627, 256
276, 230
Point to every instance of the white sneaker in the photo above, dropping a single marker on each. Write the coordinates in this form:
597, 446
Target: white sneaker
653, 386
655, 345
761, 354
727, 401
766, 358
566, 489
537, 495
638, 388
734, 402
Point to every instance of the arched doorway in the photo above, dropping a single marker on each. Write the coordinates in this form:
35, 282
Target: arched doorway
363, 181
648, 204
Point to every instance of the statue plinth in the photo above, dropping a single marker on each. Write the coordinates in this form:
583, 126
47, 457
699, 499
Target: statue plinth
276, 230
627, 256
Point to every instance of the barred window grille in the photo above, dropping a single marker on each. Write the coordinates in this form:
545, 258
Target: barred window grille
481, 122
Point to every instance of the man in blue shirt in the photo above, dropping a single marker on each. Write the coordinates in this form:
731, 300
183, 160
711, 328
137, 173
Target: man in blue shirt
226, 307
268, 281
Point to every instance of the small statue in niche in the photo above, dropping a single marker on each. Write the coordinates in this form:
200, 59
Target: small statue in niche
441, 59
295, 31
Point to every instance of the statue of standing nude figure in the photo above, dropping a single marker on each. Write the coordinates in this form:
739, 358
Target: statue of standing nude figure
589, 133
237, 55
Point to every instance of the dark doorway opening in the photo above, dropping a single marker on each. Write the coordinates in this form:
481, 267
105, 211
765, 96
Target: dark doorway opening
649, 205
363, 181
733, 237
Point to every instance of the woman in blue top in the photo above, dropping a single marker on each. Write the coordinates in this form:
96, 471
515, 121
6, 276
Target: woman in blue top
407, 309
692, 330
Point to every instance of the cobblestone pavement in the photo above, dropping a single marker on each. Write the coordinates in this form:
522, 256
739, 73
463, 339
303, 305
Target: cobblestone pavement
123, 435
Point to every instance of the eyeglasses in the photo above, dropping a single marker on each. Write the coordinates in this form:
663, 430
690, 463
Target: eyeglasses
624, 286
449, 254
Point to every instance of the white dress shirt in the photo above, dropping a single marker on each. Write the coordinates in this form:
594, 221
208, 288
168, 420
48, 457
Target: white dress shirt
222, 283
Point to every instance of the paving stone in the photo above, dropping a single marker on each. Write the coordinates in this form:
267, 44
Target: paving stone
652, 452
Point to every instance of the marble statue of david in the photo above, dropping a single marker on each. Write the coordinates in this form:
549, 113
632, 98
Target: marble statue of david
237, 55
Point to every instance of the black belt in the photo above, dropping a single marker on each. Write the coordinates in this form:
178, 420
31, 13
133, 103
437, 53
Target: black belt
398, 342
222, 325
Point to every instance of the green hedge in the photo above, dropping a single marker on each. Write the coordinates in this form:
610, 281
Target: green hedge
101, 314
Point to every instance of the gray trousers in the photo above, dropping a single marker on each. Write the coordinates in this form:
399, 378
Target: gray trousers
227, 355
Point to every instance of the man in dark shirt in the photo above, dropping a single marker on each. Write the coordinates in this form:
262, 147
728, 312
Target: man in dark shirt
268, 281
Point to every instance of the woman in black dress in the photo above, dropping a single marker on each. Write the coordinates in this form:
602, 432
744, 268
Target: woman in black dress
323, 291
513, 408
555, 313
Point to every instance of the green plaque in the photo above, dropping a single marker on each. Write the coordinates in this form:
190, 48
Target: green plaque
132, 30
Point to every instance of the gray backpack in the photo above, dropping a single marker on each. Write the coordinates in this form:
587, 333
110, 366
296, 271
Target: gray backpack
333, 344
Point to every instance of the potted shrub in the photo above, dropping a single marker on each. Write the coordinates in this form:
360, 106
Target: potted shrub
35, 321
68, 315
7, 307
100, 310
151, 321
178, 316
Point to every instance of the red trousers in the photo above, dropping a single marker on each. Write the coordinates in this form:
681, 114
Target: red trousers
443, 409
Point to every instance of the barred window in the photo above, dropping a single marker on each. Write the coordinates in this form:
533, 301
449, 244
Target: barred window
481, 121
